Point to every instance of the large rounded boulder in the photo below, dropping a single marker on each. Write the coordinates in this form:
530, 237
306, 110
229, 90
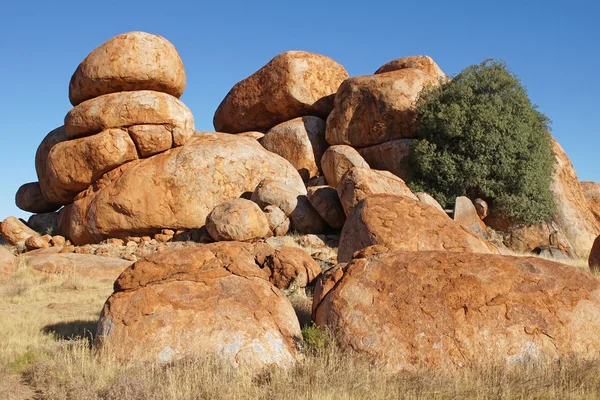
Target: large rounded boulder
175, 189
51, 194
423, 63
127, 62
209, 301
293, 84
29, 198
400, 223
413, 310
239, 220
337, 160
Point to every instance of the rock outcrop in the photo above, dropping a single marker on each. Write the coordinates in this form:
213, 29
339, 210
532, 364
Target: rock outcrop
337, 160
239, 220
293, 84
187, 183
127, 62
409, 310
591, 191
326, 201
390, 156
211, 301
400, 223
80, 265
29, 198
15, 232
423, 63
465, 214
292, 269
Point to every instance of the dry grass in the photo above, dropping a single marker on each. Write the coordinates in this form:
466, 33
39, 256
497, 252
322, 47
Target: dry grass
47, 322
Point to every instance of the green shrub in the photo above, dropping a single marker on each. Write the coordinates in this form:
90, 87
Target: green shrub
482, 137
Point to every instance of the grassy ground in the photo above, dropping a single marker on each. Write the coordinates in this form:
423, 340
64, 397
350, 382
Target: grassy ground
47, 324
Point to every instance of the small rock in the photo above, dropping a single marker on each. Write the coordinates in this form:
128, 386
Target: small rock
311, 240
481, 206
57, 241
279, 224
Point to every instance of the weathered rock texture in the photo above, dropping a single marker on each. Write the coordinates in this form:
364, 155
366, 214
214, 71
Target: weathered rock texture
423, 63
373, 109
410, 310
293, 84
51, 194
591, 191
130, 61
209, 301
125, 109
359, 183
29, 198
44, 223
390, 156
466, 215
151, 139
573, 215
301, 141
80, 265
176, 189
326, 201
73, 165
237, 219
293, 202
428, 199
292, 268
279, 223
400, 223
16, 232
337, 160
594, 258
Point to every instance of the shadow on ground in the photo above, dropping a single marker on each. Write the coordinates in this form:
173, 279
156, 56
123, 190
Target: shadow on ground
73, 330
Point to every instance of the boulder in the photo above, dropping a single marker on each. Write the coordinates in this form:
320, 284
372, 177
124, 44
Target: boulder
390, 156
423, 63
252, 134
74, 165
301, 141
337, 160
325, 200
293, 202
293, 84
279, 223
151, 139
594, 258
374, 109
80, 265
466, 215
481, 206
125, 109
358, 183
9, 263
428, 199
46, 223
15, 232
292, 269
51, 194
237, 219
591, 191
400, 223
29, 198
37, 242
130, 61
443, 310
573, 215
207, 301
187, 183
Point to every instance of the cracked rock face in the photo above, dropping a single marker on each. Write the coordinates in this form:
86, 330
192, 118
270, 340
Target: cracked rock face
196, 302
400, 223
175, 189
452, 310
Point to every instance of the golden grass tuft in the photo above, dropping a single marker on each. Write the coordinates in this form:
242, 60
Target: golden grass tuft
47, 323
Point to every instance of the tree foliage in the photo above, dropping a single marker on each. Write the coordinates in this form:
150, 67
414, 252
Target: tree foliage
482, 137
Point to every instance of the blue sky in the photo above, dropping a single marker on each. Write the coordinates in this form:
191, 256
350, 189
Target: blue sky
553, 46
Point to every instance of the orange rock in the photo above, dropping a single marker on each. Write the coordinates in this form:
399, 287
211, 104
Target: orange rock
44, 223
29, 198
337, 160
81, 265
293, 84
428, 199
326, 201
292, 269
238, 219
301, 141
51, 195
38, 242
358, 183
15, 232
410, 310
151, 139
466, 215
591, 191
390, 156
187, 183
252, 134
74, 165
400, 223
125, 109
374, 109
8, 263
279, 223
594, 258
130, 61
214, 300
423, 63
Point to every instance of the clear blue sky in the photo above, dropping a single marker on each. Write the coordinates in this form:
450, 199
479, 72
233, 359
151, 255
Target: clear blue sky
554, 47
